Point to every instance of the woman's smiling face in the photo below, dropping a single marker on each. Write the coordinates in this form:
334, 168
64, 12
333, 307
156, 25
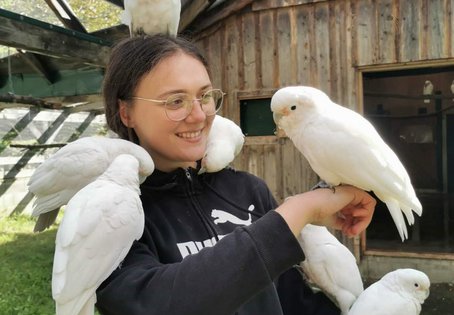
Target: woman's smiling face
171, 144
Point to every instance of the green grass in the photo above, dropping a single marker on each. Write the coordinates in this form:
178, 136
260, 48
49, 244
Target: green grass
25, 267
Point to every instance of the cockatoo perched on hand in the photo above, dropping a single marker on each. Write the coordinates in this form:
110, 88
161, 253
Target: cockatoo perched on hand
330, 266
99, 226
428, 90
74, 166
225, 141
148, 17
400, 292
342, 147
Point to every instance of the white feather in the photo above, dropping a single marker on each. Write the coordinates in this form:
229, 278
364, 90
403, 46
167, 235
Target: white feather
152, 16
76, 165
400, 292
99, 226
342, 147
330, 266
224, 143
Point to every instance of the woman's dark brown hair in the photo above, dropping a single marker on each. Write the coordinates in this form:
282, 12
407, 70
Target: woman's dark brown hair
130, 60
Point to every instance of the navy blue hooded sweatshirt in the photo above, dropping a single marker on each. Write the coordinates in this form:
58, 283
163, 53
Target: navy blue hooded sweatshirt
210, 246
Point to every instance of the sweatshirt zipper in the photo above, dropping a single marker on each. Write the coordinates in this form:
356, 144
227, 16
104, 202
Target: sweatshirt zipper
211, 230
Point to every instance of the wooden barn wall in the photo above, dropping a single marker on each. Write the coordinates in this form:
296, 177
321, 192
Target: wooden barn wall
320, 43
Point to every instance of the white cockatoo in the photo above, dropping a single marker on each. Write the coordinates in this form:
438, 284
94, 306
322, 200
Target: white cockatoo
148, 17
428, 89
330, 266
400, 292
100, 224
73, 167
225, 141
342, 147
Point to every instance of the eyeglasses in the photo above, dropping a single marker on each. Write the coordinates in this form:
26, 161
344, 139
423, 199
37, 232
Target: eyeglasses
179, 106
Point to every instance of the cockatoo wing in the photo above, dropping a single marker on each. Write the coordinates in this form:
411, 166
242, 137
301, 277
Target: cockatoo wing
379, 300
331, 267
99, 226
370, 165
73, 167
225, 141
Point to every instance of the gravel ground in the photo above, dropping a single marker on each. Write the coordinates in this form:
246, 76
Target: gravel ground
440, 300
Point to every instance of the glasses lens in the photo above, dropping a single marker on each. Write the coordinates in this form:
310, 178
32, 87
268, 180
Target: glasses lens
178, 107
212, 101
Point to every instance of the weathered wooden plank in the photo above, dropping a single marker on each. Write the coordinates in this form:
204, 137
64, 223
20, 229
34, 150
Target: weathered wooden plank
410, 25
365, 32
321, 57
192, 11
267, 49
436, 32
230, 66
387, 19
304, 45
284, 44
49, 42
249, 51
270, 4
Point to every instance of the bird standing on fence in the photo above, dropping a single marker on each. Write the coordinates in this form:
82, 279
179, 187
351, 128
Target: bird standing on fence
330, 266
100, 224
342, 147
147, 17
400, 292
73, 167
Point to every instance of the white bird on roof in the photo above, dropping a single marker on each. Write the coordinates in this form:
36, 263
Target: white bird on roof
73, 167
148, 17
99, 226
225, 141
330, 266
342, 147
400, 292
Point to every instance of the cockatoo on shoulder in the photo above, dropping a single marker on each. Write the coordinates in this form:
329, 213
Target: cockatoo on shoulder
330, 266
342, 147
149, 17
400, 292
225, 141
100, 224
73, 167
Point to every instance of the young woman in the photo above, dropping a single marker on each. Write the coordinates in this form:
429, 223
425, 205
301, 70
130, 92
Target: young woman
215, 243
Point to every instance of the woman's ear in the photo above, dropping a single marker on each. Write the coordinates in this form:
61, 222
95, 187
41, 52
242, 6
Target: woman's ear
125, 114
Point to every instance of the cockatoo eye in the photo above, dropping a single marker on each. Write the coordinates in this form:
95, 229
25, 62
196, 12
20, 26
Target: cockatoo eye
293, 107
416, 285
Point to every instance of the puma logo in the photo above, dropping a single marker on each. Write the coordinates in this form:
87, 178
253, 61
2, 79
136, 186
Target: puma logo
221, 216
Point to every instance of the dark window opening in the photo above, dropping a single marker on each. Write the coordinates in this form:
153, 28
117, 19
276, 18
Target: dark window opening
418, 124
256, 118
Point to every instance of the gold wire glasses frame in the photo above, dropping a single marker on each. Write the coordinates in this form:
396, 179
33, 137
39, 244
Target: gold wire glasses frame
179, 106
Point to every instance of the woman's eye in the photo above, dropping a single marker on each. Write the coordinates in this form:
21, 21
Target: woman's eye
175, 102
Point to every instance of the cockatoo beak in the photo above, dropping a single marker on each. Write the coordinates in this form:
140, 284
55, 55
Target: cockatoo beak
277, 117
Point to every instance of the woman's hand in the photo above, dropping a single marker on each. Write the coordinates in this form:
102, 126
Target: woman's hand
345, 208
